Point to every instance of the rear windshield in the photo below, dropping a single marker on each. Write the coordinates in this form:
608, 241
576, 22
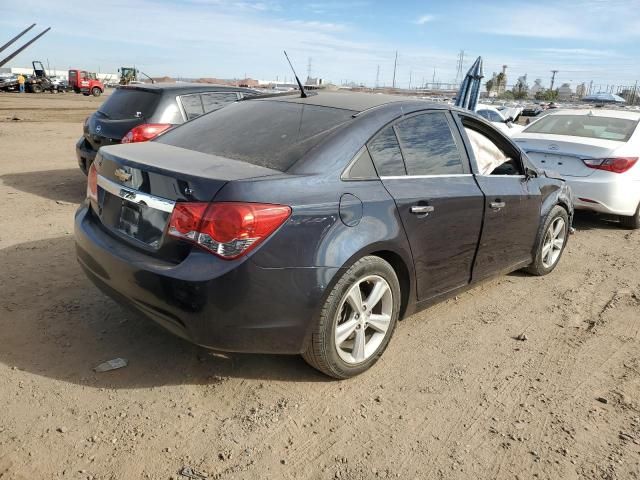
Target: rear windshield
602, 128
127, 102
272, 134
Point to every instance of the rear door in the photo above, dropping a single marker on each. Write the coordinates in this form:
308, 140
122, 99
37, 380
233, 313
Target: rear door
421, 163
513, 201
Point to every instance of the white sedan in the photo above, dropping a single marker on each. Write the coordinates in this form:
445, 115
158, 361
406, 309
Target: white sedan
502, 123
597, 152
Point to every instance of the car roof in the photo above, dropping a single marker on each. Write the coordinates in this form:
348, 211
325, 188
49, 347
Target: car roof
482, 106
355, 101
184, 87
599, 112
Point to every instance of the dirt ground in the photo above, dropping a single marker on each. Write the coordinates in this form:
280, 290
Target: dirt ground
455, 396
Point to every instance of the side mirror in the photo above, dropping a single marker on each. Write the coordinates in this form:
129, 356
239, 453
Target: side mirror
530, 173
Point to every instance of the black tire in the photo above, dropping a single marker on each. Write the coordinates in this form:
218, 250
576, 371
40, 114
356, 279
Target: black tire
322, 352
36, 88
96, 92
538, 267
632, 222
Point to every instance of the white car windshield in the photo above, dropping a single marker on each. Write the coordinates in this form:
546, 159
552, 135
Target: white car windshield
589, 126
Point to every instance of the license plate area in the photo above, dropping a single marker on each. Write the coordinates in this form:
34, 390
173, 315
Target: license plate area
129, 223
140, 223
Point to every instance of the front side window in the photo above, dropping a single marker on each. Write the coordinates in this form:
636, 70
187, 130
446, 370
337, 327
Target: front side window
385, 152
494, 156
428, 146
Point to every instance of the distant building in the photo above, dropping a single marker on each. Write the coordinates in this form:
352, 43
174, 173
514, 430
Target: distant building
536, 87
314, 81
565, 92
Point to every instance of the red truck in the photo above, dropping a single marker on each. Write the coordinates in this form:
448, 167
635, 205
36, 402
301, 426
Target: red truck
85, 82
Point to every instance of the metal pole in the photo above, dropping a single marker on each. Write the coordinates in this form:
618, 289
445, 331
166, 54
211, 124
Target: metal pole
395, 65
16, 37
10, 57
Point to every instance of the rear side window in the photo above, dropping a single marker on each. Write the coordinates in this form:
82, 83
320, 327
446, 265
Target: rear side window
273, 134
130, 103
428, 146
588, 126
215, 100
385, 152
192, 105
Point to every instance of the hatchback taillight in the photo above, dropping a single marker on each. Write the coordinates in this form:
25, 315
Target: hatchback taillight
92, 183
145, 132
227, 229
615, 165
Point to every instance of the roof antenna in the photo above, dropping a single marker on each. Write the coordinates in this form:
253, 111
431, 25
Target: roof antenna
303, 94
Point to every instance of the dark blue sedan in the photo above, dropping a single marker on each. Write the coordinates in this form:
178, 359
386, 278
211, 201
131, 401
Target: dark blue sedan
312, 225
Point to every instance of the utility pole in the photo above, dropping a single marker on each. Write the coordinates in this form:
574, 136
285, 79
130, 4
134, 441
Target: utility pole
410, 78
378, 77
395, 66
433, 82
553, 78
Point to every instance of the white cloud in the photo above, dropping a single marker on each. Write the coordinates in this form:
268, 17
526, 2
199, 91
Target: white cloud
424, 19
588, 20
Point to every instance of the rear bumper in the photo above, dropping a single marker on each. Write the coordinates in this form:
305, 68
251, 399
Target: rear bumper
606, 192
232, 306
84, 154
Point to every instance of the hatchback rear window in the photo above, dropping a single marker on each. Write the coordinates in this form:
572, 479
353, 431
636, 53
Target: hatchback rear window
588, 126
272, 134
130, 103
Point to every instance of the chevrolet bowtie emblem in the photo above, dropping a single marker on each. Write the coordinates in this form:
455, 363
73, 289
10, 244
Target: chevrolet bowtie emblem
122, 175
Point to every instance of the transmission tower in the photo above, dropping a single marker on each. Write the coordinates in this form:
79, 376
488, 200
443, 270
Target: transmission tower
378, 77
460, 65
309, 70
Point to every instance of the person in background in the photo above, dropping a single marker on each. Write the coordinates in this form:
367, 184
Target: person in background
21, 81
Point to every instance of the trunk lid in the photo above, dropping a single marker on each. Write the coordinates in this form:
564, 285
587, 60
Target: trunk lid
138, 185
564, 154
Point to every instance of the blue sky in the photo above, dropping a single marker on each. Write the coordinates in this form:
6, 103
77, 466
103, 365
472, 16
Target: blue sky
346, 40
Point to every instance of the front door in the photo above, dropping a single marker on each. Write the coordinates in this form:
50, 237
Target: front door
421, 165
512, 201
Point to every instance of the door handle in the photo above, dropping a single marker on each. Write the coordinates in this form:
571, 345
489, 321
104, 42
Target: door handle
498, 205
422, 209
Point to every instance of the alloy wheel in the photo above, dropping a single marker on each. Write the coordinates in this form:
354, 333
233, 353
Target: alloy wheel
553, 243
363, 319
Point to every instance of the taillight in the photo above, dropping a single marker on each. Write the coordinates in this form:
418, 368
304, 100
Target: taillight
92, 183
227, 229
145, 132
615, 165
